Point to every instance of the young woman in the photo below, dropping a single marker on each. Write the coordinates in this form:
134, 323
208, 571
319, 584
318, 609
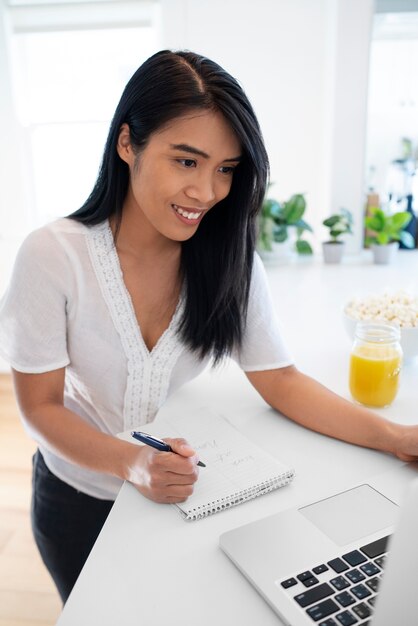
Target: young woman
113, 308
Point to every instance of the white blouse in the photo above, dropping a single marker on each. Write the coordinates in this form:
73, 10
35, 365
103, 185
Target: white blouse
67, 306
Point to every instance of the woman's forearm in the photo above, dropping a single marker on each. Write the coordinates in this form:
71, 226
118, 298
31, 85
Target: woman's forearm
41, 401
312, 405
160, 476
64, 432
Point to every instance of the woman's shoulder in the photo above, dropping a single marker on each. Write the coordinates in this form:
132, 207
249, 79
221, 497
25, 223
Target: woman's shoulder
49, 236
67, 227
54, 244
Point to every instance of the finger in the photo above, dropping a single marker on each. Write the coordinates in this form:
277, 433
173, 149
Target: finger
178, 465
164, 496
181, 447
172, 478
164, 464
175, 499
178, 493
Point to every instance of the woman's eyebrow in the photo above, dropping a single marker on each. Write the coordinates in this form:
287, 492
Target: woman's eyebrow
184, 147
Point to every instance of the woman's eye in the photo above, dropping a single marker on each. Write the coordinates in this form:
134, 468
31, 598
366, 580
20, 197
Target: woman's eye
187, 162
226, 169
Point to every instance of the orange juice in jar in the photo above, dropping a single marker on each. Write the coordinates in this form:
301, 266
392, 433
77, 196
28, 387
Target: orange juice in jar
375, 364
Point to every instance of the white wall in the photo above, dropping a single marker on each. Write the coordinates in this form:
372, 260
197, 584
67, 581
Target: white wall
345, 173
393, 94
12, 199
304, 66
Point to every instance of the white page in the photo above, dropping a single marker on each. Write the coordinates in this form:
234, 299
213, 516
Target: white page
236, 468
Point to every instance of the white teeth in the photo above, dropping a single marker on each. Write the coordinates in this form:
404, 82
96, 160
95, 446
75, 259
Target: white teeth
190, 216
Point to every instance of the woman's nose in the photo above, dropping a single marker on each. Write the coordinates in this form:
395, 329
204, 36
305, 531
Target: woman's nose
202, 190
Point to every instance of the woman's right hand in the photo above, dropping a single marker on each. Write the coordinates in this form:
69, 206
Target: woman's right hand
164, 476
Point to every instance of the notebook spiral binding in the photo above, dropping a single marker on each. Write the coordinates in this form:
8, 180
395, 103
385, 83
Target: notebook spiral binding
238, 498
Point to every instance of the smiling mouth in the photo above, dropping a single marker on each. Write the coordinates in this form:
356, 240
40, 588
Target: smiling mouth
187, 214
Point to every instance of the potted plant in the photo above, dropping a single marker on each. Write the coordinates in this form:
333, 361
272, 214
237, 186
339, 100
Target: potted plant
275, 222
385, 231
338, 224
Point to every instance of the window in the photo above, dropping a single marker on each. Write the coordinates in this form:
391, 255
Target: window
67, 83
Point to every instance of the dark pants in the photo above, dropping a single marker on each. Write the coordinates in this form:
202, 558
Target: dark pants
65, 524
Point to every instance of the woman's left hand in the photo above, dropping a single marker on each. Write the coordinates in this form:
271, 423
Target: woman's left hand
406, 443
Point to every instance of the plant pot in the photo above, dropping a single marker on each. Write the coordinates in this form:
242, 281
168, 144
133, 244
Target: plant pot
333, 251
384, 254
280, 252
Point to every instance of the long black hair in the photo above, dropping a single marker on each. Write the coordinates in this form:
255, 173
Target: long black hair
216, 263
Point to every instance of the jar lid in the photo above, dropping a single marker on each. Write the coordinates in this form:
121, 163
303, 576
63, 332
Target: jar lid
377, 332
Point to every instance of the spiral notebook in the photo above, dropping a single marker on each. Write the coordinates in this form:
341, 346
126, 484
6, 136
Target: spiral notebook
236, 469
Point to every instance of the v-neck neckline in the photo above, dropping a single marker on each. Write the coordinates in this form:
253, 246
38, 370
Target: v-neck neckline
148, 372
131, 306
119, 299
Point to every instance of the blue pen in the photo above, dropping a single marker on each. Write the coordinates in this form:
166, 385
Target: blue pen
154, 442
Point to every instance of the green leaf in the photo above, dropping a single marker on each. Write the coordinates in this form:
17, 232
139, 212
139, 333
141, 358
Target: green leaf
376, 210
267, 226
331, 221
348, 216
302, 225
340, 223
265, 242
303, 247
270, 208
392, 233
375, 222
382, 238
407, 239
280, 233
400, 220
294, 208
336, 232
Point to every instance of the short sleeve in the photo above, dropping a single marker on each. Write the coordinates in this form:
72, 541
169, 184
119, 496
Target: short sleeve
33, 337
263, 346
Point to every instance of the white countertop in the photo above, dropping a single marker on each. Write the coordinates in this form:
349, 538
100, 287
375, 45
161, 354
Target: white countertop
148, 565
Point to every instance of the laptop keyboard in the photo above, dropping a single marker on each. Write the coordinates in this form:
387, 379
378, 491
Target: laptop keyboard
343, 591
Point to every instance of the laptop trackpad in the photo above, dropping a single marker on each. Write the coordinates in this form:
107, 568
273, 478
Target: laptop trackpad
351, 515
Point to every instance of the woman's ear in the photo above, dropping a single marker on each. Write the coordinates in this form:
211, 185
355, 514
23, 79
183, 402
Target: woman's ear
124, 146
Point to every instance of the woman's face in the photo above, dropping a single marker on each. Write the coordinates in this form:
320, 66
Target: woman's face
184, 170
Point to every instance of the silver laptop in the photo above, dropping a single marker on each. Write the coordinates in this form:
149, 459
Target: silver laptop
338, 562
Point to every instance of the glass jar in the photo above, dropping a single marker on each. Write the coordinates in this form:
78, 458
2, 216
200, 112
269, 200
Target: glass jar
375, 363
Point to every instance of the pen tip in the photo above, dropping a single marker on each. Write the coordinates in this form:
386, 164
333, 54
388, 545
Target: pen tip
201, 464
